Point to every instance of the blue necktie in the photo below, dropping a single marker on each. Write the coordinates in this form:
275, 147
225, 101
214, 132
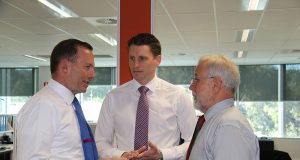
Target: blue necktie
88, 142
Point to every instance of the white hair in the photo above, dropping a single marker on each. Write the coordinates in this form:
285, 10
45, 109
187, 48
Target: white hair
223, 67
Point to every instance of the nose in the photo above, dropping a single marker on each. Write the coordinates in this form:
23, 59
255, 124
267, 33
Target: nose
191, 87
92, 74
136, 63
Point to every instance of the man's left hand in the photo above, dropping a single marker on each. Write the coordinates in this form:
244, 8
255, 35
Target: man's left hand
153, 153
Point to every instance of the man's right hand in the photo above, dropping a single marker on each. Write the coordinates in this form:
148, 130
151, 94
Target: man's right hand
133, 154
114, 158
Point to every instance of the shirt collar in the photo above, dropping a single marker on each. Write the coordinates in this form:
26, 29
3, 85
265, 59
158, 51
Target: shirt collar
218, 107
61, 90
151, 85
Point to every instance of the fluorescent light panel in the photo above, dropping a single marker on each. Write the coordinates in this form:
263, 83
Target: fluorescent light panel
245, 35
55, 8
106, 39
33, 57
240, 54
253, 5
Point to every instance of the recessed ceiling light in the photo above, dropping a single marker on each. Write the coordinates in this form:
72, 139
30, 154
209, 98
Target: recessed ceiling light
253, 5
240, 54
245, 35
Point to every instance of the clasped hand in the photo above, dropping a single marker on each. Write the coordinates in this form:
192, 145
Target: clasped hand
153, 153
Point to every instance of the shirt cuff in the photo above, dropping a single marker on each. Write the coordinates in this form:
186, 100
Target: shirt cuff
167, 154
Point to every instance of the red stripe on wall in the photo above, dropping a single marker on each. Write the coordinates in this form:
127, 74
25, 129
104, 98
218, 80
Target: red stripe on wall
135, 17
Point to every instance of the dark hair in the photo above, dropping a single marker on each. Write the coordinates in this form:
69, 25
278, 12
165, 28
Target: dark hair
146, 39
66, 49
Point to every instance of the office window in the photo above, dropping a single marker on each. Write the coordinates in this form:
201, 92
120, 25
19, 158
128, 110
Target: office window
180, 76
257, 98
91, 100
259, 83
17, 86
291, 110
176, 74
104, 76
292, 87
1, 82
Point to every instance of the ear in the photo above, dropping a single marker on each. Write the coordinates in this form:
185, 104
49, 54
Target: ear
158, 59
217, 83
64, 66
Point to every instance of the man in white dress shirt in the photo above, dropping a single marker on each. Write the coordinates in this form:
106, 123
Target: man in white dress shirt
226, 133
171, 112
47, 126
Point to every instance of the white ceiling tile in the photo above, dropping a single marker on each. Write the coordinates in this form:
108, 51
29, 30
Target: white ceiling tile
173, 49
291, 44
7, 11
34, 26
111, 30
261, 53
273, 34
9, 29
158, 9
228, 35
194, 22
31, 8
296, 34
188, 6
266, 45
234, 46
200, 38
168, 38
231, 5
281, 19
73, 25
92, 8
280, 4
238, 20
163, 24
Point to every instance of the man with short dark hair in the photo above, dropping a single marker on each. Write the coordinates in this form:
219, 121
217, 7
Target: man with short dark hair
49, 125
145, 117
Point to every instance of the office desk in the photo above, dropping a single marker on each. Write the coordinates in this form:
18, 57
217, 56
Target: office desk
6, 151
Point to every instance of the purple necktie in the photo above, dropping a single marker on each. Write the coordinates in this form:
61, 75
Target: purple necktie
142, 119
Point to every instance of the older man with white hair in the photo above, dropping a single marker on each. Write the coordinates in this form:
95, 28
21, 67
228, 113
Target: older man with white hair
225, 134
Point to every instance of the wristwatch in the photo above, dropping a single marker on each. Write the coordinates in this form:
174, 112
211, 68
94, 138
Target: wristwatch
161, 156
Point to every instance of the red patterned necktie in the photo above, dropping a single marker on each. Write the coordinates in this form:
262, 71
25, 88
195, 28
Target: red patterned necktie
142, 120
199, 125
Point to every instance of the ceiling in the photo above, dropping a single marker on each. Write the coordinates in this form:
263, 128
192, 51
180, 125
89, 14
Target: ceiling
187, 30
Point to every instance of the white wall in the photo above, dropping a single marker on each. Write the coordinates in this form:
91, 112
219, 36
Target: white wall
289, 145
44, 75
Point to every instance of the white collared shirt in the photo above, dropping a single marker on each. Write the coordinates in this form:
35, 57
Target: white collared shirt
171, 114
225, 135
47, 126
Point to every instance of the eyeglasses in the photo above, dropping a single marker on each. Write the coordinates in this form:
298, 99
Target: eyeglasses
195, 79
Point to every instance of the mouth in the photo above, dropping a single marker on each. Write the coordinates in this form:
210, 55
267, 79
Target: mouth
86, 83
137, 71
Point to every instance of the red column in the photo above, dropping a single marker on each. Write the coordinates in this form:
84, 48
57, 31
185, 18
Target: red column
135, 17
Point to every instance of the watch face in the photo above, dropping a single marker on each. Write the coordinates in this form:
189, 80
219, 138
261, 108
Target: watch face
161, 156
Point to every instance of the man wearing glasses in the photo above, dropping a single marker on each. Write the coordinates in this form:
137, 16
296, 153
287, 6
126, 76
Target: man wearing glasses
225, 133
